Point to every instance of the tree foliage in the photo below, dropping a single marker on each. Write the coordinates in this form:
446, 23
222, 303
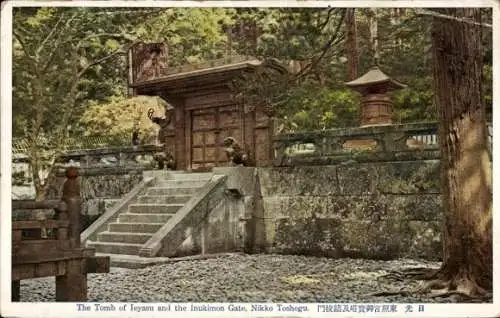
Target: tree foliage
193, 35
58, 55
67, 61
118, 116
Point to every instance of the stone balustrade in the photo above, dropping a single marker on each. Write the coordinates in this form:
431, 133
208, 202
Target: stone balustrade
416, 141
141, 155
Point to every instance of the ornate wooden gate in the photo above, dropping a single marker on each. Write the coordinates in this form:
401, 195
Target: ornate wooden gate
209, 127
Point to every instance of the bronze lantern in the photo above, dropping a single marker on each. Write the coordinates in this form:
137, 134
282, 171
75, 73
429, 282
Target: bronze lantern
376, 106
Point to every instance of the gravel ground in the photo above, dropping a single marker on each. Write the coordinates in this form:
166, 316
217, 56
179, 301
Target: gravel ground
245, 278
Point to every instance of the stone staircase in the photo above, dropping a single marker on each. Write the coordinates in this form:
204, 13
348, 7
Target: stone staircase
124, 237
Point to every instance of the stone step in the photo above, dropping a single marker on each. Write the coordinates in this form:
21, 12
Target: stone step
180, 183
164, 199
135, 227
115, 248
191, 176
124, 237
161, 174
153, 208
144, 217
133, 261
171, 191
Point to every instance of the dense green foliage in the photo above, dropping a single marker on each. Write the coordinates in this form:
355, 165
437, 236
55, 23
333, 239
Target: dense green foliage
119, 116
52, 45
70, 74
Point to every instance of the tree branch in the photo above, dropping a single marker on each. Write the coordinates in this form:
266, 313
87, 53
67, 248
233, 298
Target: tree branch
325, 48
99, 61
51, 33
23, 46
425, 12
57, 43
149, 11
109, 35
68, 106
322, 26
105, 58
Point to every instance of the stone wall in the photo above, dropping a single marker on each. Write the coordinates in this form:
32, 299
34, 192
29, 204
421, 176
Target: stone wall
223, 228
220, 231
212, 221
100, 189
375, 210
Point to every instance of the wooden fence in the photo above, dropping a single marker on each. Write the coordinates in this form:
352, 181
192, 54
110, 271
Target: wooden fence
51, 247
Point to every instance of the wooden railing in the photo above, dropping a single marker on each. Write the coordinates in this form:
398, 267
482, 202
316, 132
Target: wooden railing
51, 247
364, 144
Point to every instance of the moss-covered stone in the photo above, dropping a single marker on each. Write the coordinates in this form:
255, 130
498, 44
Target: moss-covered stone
379, 211
312, 180
357, 179
308, 236
298, 206
95, 189
409, 177
377, 240
415, 207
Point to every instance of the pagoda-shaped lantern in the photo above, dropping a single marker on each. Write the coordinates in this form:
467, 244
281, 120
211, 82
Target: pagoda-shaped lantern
376, 106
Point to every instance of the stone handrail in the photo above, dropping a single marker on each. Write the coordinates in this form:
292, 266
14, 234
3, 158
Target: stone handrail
112, 213
102, 157
362, 144
171, 235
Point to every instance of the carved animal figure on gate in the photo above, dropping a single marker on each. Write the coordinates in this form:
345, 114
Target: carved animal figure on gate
164, 159
235, 153
162, 121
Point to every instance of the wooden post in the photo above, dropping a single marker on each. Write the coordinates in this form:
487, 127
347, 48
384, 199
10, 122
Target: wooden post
62, 232
17, 236
71, 196
73, 285
16, 290
74, 221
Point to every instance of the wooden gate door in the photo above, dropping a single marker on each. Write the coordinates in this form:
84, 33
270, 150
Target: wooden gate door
209, 127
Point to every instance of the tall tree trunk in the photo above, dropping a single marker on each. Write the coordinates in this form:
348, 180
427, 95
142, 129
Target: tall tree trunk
373, 25
396, 14
465, 165
352, 44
